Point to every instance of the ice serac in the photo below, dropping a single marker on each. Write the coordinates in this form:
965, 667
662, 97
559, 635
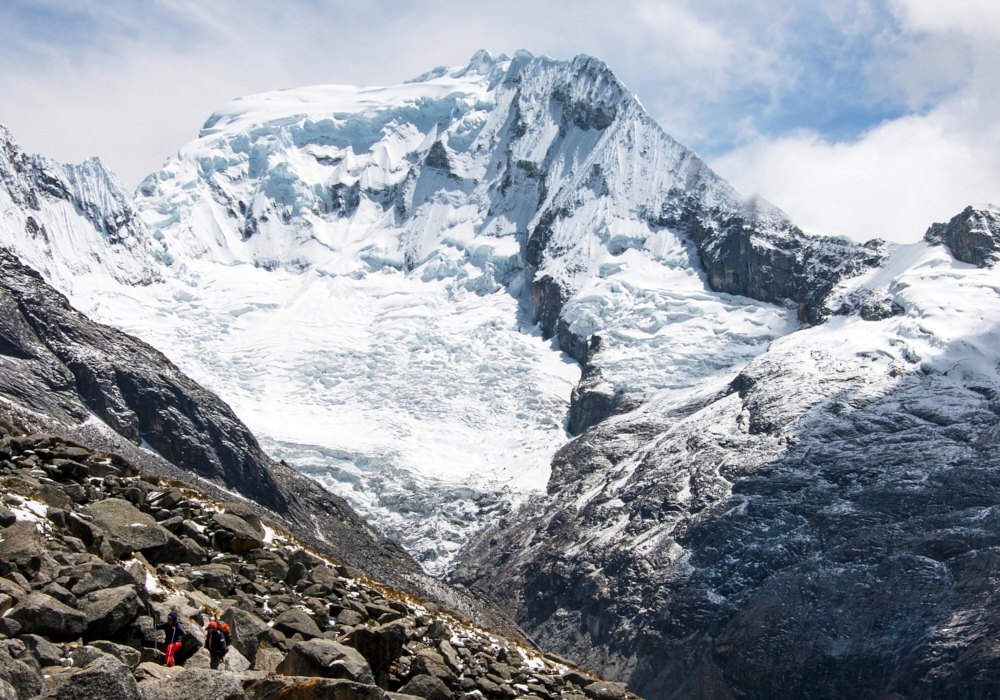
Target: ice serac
69, 221
820, 526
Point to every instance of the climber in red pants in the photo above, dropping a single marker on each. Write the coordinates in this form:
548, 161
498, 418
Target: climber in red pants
175, 635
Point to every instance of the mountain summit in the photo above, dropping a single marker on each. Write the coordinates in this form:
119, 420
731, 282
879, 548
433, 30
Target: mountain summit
544, 347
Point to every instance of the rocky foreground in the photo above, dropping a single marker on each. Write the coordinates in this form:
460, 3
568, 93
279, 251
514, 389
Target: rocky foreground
93, 551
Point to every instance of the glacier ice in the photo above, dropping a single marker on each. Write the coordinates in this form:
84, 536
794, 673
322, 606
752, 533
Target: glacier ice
365, 275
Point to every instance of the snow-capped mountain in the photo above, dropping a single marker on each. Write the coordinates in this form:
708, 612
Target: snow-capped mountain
359, 272
784, 480
68, 221
823, 525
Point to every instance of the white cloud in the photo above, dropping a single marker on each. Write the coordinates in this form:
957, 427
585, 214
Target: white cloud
891, 184
134, 82
974, 17
906, 173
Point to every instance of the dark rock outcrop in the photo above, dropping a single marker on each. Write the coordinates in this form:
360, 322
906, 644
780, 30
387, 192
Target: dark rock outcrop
327, 659
593, 398
105, 677
799, 536
57, 356
972, 236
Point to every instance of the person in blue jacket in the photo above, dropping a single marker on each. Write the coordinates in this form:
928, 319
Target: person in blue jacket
175, 635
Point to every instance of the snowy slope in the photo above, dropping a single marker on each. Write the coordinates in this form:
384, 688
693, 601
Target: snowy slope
72, 221
357, 267
371, 278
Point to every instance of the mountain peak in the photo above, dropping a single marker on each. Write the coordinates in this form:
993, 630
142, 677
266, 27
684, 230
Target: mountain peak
973, 236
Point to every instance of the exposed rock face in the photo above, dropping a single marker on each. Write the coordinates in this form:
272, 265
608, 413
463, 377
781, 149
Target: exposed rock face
593, 398
821, 528
972, 236
57, 356
757, 255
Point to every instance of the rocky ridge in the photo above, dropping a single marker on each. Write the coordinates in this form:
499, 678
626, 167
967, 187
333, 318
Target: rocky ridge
93, 551
72, 220
820, 525
972, 236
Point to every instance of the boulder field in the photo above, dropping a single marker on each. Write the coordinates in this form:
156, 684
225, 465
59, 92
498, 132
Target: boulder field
93, 552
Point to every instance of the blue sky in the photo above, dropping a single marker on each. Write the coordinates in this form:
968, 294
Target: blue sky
859, 118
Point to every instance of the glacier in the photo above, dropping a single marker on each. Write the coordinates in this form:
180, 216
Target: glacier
540, 344
395, 287
356, 272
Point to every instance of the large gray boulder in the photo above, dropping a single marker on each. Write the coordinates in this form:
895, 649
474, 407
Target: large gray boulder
180, 551
246, 629
100, 577
296, 620
61, 594
44, 615
109, 610
20, 550
127, 529
327, 659
23, 674
431, 663
380, 646
605, 690
298, 688
267, 659
246, 513
141, 633
150, 671
194, 684
235, 534
428, 687
127, 655
217, 576
44, 651
105, 678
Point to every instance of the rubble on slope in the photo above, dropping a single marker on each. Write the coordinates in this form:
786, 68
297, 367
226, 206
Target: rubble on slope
93, 551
